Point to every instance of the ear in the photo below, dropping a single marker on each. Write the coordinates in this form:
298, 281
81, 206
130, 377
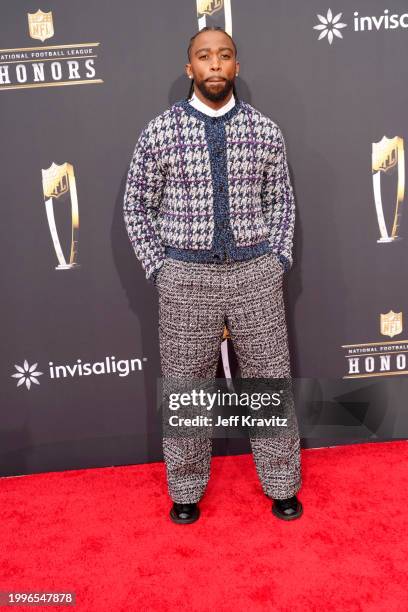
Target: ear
237, 67
188, 71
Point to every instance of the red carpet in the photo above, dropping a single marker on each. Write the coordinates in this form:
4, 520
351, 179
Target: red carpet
105, 534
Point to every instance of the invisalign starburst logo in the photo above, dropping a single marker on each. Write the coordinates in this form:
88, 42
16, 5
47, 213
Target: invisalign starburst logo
26, 374
330, 26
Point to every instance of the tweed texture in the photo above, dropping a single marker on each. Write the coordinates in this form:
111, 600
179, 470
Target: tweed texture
195, 301
209, 188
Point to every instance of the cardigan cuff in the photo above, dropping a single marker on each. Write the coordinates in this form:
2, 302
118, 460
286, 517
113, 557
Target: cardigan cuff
153, 276
285, 263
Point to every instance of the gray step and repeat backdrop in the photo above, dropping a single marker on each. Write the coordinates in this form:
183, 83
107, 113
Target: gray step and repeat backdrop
78, 82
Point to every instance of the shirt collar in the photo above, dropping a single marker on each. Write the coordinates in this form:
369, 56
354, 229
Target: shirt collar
207, 110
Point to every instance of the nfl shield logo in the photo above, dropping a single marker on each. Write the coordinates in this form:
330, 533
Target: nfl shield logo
40, 25
391, 323
208, 7
385, 154
55, 180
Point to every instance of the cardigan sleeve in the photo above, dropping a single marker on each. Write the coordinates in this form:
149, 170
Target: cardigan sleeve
278, 202
143, 193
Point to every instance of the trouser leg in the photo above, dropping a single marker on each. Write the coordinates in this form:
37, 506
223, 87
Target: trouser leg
191, 324
257, 324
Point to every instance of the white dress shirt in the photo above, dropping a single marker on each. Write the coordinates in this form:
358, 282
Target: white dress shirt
204, 108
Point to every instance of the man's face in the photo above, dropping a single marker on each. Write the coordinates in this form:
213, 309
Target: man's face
213, 64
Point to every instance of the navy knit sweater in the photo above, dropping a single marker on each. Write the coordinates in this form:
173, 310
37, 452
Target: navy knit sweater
205, 189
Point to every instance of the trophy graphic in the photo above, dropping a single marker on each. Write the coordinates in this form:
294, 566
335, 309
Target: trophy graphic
226, 366
388, 154
209, 13
224, 352
40, 25
59, 183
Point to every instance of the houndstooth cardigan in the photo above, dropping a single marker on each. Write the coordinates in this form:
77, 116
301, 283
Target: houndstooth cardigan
205, 188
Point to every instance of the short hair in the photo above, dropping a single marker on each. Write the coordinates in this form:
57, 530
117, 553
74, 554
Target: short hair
207, 29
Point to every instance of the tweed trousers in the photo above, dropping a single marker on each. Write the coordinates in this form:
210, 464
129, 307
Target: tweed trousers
196, 300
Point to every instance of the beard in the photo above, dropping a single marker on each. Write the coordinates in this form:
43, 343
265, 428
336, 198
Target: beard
215, 96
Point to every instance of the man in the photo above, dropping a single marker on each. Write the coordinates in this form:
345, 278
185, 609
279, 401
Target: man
209, 210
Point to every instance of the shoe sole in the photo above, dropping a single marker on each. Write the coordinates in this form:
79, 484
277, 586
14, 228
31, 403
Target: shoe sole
288, 518
180, 521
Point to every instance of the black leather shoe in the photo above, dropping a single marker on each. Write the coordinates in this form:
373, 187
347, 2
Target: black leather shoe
183, 514
287, 509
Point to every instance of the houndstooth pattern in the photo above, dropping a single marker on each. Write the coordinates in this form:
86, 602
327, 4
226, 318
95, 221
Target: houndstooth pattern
195, 301
170, 189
